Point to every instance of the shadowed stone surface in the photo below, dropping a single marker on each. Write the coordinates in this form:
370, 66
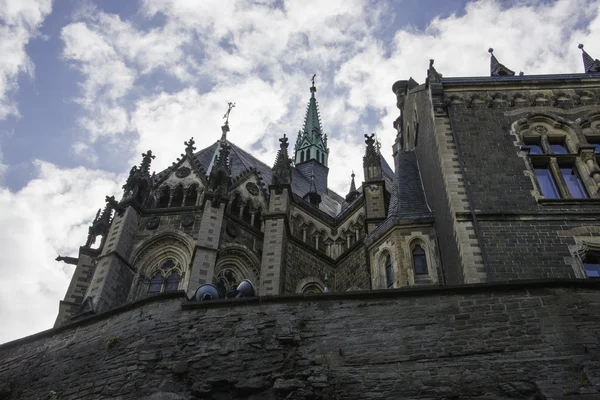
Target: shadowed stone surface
528, 340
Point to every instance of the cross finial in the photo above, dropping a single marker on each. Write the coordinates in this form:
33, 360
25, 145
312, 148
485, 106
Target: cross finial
226, 116
313, 79
149, 154
283, 141
190, 144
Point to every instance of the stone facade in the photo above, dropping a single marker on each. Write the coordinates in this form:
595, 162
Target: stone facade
528, 341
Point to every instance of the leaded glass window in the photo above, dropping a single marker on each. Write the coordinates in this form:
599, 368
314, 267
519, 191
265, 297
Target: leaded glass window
172, 282
419, 261
156, 284
389, 272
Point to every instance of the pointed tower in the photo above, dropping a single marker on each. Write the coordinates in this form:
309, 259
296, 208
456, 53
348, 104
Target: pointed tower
589, 64
272, 269
497, 69
353, 193
312, 154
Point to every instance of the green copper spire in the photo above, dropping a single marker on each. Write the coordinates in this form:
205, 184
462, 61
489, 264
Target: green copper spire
312, 143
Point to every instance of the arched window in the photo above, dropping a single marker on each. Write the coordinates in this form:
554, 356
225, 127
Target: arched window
177, 200
156, 284
172, 282
165, 279
192, 196
257, 218
246, 214
235, 207
301, 156
389, 272
226, 280
318, 155
419, 261
163, 200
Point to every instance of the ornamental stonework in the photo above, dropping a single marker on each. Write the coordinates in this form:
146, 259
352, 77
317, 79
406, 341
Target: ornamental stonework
252, 188
182, 172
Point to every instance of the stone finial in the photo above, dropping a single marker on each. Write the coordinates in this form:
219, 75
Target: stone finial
496, 68
189, 146
353, 193
589, 64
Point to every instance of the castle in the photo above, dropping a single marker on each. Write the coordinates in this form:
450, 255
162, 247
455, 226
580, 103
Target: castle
495, 179
460, 273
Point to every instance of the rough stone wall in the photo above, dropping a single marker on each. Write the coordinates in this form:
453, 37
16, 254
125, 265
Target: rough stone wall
170, 221
522, 237
530, 341
352, 272
303, 263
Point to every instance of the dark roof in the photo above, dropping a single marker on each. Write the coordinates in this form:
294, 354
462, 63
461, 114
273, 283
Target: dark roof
408, 198
523, 78
242, 162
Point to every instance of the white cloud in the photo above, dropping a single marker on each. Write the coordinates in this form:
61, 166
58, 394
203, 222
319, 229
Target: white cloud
49, 216
19, 21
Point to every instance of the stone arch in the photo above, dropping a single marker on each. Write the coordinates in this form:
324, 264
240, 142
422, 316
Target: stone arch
310, 284
177, 196
387, 269
582, 247
235, 262
152, 254
164, 194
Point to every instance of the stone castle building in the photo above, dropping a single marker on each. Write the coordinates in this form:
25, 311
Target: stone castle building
460, 273
495, 179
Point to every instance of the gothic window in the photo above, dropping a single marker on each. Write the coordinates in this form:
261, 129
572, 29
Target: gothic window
257, 218
246, 214
192, 196
302, 156
419, 260
389, 272
235, 207
172, 282
318, 155
177, 199
165, 279
226, 280
156, 284
552, 153
163, 200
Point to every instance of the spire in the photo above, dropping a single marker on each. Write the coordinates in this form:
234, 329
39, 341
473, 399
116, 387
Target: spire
312, 143
282, 169
312, 122
497, 69
353, 193
589, 64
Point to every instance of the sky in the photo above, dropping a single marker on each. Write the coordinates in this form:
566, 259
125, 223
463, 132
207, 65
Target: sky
87, 86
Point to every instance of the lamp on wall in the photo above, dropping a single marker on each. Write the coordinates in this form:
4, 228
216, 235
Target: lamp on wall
206, 292
210, 292
244, 289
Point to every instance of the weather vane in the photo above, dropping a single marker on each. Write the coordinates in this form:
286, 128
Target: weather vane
313, 79
226, 116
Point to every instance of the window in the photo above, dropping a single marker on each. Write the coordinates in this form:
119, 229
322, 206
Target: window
318, 155
192, 196
546, 182
301, 156
558, 146
574, 183
591, 263
552, 153
156, 284
226, 280
419, 261
389, 272
165, 279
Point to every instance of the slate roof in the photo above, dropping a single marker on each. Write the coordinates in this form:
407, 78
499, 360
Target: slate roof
241, 163
408, 198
